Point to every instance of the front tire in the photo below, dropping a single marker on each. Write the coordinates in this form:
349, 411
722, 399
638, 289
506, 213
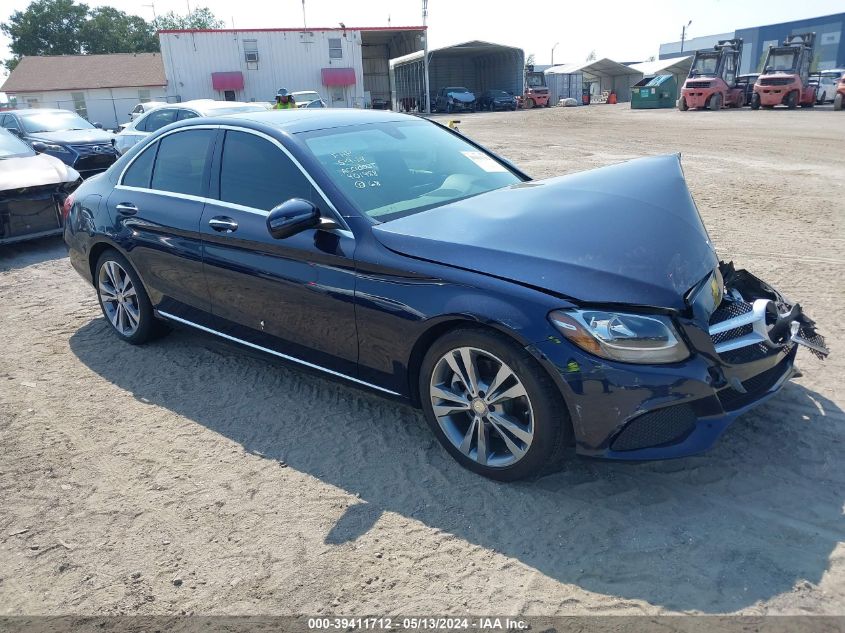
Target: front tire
529, 103
123, 300
755, 101
492, 406
792, 100
715, 102
837, 102
682, 105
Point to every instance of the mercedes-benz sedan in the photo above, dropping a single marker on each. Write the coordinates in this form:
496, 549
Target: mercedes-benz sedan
523, 316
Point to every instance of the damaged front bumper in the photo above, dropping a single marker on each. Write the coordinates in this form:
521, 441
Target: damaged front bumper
744, 337
31, 212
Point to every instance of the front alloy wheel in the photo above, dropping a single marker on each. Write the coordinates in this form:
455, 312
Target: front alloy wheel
492, 406
482, 407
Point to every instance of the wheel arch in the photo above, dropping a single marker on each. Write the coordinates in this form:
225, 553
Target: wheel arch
441, 327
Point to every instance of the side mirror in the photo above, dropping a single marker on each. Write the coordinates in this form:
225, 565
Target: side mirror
15, 131
39, 147
99, 126
294, 216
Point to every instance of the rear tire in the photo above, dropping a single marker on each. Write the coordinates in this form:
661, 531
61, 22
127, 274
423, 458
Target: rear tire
529, 103
837, 102
791, 100
682, 105
755, 101
504, 419
124, 301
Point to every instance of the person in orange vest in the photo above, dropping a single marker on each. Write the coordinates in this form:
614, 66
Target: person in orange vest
284, 101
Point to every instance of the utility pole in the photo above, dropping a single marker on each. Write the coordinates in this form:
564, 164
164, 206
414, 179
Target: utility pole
304, 23
684, 34
425, 56
553, 52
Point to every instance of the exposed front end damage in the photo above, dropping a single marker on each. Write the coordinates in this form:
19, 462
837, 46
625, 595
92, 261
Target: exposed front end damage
743, 337
32, 191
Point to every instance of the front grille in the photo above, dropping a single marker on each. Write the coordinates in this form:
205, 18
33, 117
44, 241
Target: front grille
752, 350
736, 332
748, 354
698, 84
97, 162
756, 386
776, 81
657, 428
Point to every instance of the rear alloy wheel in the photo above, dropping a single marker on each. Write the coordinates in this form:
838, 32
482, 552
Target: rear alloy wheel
492, 406
123, 300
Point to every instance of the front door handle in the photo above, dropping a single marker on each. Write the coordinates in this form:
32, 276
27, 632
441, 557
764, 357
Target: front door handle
223, 224
126, 208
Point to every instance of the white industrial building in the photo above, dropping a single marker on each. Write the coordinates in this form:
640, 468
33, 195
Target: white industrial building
347, 66
100, 88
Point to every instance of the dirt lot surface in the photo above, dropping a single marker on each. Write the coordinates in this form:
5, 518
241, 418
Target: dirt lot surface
192, 476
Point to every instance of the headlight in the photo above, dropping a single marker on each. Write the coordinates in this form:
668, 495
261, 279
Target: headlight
630, 338
58, 149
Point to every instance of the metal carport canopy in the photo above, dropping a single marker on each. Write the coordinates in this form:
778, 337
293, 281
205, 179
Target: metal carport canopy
598, 68
673, 66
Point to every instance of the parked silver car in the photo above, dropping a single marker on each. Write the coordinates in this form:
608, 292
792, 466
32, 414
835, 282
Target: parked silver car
826, 81
157, 118
308, 99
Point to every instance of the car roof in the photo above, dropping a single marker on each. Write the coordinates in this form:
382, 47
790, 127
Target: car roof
305, 120
39, 111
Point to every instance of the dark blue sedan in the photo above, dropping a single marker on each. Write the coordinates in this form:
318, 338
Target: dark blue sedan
522, 316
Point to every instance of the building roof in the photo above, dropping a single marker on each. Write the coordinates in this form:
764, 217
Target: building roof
673, 66
471, 48
83, 72
298, 30
600, 68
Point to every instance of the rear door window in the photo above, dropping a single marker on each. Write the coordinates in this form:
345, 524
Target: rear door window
186, 114
180, 164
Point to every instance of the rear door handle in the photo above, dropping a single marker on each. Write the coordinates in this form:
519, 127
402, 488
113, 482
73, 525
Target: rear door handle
223, 224
126, 208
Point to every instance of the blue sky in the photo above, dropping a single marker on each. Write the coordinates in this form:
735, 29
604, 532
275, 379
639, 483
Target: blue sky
621, 30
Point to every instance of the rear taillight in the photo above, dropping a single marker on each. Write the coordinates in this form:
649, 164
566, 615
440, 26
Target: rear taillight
66, 207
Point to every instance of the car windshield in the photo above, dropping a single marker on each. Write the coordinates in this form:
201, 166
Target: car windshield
305, 96
12, 147
391, 170
534, 80
705, 65
54, 122
781, 60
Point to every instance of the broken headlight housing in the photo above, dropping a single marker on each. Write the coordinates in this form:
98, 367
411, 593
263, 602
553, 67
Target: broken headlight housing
629, 338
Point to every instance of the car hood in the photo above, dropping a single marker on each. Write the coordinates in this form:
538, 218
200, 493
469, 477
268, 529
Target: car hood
34, 171
625, 234
73, 137
465, 97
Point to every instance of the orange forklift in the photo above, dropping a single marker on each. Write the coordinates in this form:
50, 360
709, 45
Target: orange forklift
712, 78
786, 75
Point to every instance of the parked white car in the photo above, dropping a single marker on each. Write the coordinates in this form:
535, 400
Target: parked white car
143, 108
826, 81
157, 118
308, 99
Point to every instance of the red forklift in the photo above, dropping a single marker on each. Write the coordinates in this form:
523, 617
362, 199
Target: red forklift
786, 75
712, 78
535, 92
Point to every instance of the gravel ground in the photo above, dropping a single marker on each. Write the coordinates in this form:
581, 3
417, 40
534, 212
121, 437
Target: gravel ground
189, 476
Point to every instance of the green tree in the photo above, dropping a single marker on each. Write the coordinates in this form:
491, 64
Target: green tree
45, 27
200, 18
108, 30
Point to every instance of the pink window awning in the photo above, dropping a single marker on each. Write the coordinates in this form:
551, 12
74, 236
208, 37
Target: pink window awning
228, 81
338, 76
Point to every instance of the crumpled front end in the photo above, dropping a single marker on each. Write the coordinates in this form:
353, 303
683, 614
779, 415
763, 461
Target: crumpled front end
743, 337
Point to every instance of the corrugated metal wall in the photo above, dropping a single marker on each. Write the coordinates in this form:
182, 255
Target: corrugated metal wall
564, 86
376, 71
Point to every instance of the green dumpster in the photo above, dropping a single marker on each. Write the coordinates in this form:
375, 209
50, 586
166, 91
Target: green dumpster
660, 91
